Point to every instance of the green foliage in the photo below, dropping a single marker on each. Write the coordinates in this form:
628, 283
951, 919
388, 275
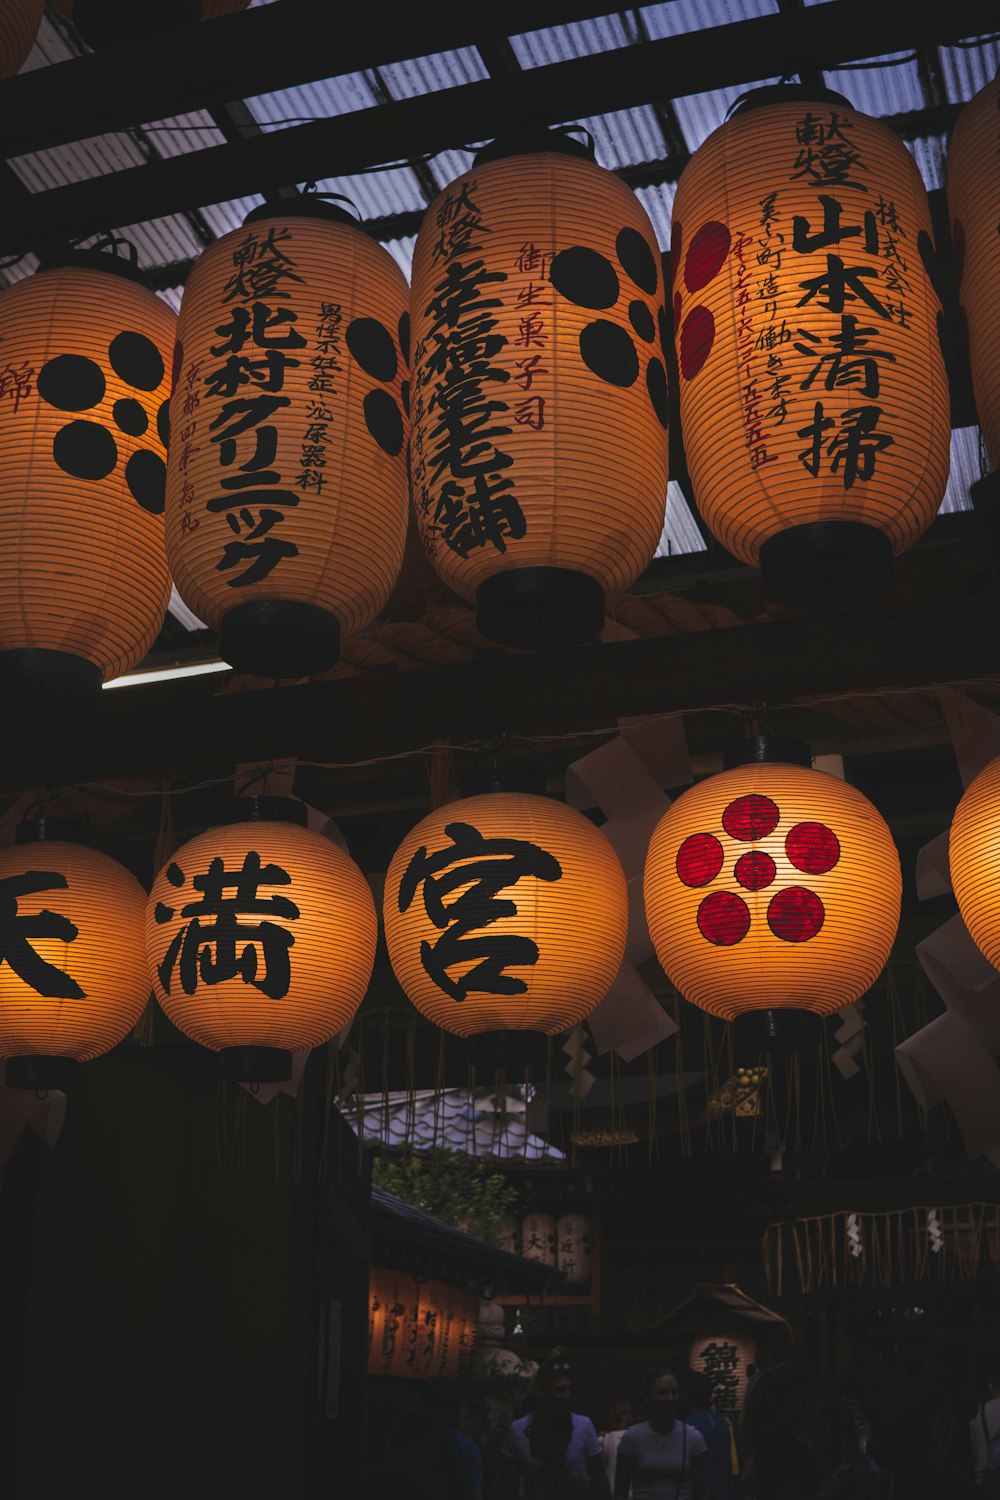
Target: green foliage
454, 1188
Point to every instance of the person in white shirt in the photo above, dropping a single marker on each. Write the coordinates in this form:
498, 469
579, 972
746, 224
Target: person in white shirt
662, 1458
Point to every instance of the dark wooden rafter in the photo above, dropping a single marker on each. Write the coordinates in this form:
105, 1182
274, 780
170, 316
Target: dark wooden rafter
742, 52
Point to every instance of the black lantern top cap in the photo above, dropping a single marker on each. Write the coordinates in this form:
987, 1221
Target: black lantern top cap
309, 206
95, 259
786, 93
765, 749
535, 139
269, 810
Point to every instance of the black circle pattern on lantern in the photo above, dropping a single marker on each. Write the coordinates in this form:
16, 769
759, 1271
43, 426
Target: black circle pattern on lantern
163, 422
404, 337
641, 319
87, 449
638, 260
370, 343
384, 421
656, 385
585, 277
609, 352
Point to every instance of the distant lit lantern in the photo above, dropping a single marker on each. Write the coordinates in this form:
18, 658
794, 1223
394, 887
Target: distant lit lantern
261, 938
286, 491
539, 455
974, 858
19, 23
85, 353
973, 196
813, 392
100, 23
418, 1330
538, 1238
772, 888
727, 1357
73, 978
574, 1248
393, 1299
505, 912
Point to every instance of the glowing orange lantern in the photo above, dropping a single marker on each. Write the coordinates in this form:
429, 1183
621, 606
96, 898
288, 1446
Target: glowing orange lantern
813, 391
539, 460
973, 850
393, 1300
73, 976
103, 22
726, 1357
19, 23
261, 938
772, 887
418, 1330
83, 570
973, 194
505, 911
286, 490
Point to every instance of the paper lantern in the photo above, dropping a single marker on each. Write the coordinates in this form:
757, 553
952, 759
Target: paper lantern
418, 1330
509, 1235
73, 977
101, 23
538, 1238
261, 938
973, 194
85, 353
539, 454
505, 911
19, 23
574, 1248
771, 887
973, 851
724, 1356
392, 1304
286, 491
813, 392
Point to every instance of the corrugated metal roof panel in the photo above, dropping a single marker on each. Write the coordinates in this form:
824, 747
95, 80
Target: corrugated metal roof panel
222, 217
183, 133
680, 530
677, 16
171, 295
625, 136
378, 193
27, 266
77, 162
402, 253
448, 165
968, 463
891, 90
312, 101
533, 49
426, 75
659, 204
161, 241
968, 69
930, 155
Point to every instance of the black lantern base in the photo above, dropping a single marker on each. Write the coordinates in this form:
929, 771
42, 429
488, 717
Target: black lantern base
279, 638
40, 679
779, 1030
101, 23
537, 607
256, 1064
40, 1072
825, 564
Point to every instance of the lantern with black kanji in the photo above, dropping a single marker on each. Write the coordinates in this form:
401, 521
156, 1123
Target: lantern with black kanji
505, 912
973, 195
19, 23
102, 23
286, 489
539, 451
261, 938
85, 353
814, 399
973, 850
73, 977
772, 890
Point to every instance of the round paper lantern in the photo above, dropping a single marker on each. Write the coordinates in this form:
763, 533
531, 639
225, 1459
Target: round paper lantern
539, 452
261, 938
73, 976
84, 382
19, 23
973, 850
538, 1238
506, 912
286, 489
101, 23
973, 194
813, 392
771, 887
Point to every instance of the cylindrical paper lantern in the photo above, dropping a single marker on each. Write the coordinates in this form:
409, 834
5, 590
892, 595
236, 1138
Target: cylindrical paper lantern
73, 976
538, 1238
84, 382
574, 1248
973, 196
261, 938
539, 453
973, 854
19, 23
813, 392
506, 912
102, 23
724, 1356
286, 489
772, 886
393, 1308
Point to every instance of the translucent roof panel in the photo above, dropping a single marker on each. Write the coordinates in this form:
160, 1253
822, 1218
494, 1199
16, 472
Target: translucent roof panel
183, 133
968, 463
448, 165
672, 17
426, 75
222, 217
402, 253
313, 101
51, 45
967, 69
889, 90
77, 162
625, 136
659, 203
680, 529
27, 266
930, 155
171, 295
161, 241
699, 114
533, 49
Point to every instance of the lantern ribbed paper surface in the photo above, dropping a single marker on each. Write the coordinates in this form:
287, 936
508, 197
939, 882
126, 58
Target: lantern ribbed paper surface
812, 384
973, 196
100, 22
505, 912
84, 381
974, 857
770, 886
73, 979
286, 492
19, 23
540, 396
260, 934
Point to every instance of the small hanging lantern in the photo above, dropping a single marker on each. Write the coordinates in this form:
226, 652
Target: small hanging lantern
102, 23
73, 974
505, 912
973, 194
83, 569
286, 489
19, 23
973, 850
772, 889
813, 391
261, 938
539, 458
